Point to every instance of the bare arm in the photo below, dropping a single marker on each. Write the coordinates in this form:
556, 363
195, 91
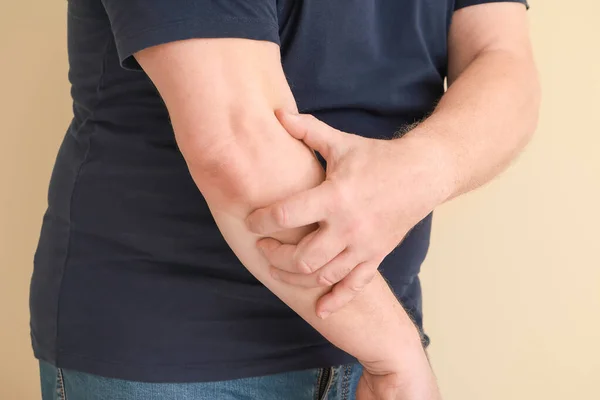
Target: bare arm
481, 123
490, 110
221, 95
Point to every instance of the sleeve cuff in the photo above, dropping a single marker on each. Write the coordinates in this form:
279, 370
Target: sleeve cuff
466, 3
129, 44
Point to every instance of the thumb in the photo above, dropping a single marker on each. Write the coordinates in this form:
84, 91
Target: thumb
316, 134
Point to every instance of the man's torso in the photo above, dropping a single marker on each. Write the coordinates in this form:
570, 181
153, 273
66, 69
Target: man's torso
132, 277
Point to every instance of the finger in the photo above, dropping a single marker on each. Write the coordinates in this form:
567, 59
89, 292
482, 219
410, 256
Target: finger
323, 247
338, 268
302, 280
315, 279
281, 255
343, 292
302, 209
278, 254
316, 134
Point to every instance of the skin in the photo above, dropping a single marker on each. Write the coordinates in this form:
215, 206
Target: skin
375, 191
221, 95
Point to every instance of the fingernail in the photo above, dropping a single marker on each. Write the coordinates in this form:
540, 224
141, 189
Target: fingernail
324, 314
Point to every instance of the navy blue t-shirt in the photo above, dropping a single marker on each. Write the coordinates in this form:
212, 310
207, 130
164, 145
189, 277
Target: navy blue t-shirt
132, 278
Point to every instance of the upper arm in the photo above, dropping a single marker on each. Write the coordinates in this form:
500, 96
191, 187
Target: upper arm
495, 26
221, 95
219, 92
216, 64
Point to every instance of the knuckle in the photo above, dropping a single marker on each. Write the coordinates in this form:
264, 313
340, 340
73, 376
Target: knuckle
316, 257
364, 230
311, 121
355, 230
357, 285
355, 288
342, 195
280, 215
342, 272
312, 281
309, 117
303, 266
323, 280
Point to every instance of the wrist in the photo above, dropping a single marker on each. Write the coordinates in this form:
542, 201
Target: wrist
411, 378
417, 379
437, 159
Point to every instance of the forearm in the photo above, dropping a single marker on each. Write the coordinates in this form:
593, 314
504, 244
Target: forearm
374, 325
485, 118
221, 95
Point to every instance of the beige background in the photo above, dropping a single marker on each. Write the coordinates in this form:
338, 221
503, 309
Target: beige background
512, 282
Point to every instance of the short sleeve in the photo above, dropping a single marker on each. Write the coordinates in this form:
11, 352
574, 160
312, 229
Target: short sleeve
139, 24
458, 4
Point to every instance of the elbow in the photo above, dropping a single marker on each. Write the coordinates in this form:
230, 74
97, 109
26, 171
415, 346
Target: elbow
223, 177
234, 174
220, 155
249, 164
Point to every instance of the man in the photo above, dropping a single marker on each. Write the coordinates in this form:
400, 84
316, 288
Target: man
185, 163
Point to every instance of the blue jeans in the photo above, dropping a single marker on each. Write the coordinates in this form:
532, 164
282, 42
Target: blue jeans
336, 383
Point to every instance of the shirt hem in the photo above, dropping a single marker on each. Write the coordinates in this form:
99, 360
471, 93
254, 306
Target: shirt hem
320, 357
